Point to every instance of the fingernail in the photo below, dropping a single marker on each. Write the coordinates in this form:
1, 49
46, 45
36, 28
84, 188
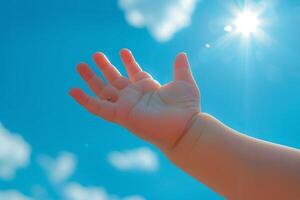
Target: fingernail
182, 59
127, 56
101, 58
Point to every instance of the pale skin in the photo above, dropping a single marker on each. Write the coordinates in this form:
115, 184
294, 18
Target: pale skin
232, 164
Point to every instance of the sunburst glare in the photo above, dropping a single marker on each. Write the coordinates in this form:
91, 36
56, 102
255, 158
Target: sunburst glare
247, 23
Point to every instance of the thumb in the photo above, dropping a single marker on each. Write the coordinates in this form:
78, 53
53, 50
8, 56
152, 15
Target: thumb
182, 71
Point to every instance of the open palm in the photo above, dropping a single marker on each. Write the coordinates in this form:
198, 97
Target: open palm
159, 114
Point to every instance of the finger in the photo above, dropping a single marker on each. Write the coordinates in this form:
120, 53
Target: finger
93, 81
96, 84
182, 69
130, 64
85, 100
101, 108
110, 72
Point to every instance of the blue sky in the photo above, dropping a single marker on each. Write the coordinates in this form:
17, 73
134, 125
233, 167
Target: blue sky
252, 88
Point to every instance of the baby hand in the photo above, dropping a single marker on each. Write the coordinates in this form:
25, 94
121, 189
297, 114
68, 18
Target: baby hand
158, 114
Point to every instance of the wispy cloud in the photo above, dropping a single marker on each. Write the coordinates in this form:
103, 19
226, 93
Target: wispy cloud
58, 169
13, 195
39, 192
76, 191
143, 159
14, 153
162, 18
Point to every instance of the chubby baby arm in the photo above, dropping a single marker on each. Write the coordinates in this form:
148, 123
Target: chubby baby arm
169, 116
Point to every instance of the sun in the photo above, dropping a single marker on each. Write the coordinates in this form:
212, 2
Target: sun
246, 23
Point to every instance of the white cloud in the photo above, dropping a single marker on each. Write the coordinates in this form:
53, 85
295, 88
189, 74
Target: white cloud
12, 195
14, 153
162, 18
58, 169
143, 159
76, 191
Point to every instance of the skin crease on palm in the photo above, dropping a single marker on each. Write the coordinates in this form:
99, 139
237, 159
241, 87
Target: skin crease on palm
158, 114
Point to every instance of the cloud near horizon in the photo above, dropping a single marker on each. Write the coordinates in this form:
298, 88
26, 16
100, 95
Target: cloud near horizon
162, 18
76, 191
141, 159
14, 153
13, 195
58, 169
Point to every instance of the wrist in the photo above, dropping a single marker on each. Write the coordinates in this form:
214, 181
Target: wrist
192, 133
208, 152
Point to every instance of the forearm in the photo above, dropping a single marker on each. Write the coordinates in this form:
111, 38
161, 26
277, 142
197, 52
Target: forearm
234, 165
